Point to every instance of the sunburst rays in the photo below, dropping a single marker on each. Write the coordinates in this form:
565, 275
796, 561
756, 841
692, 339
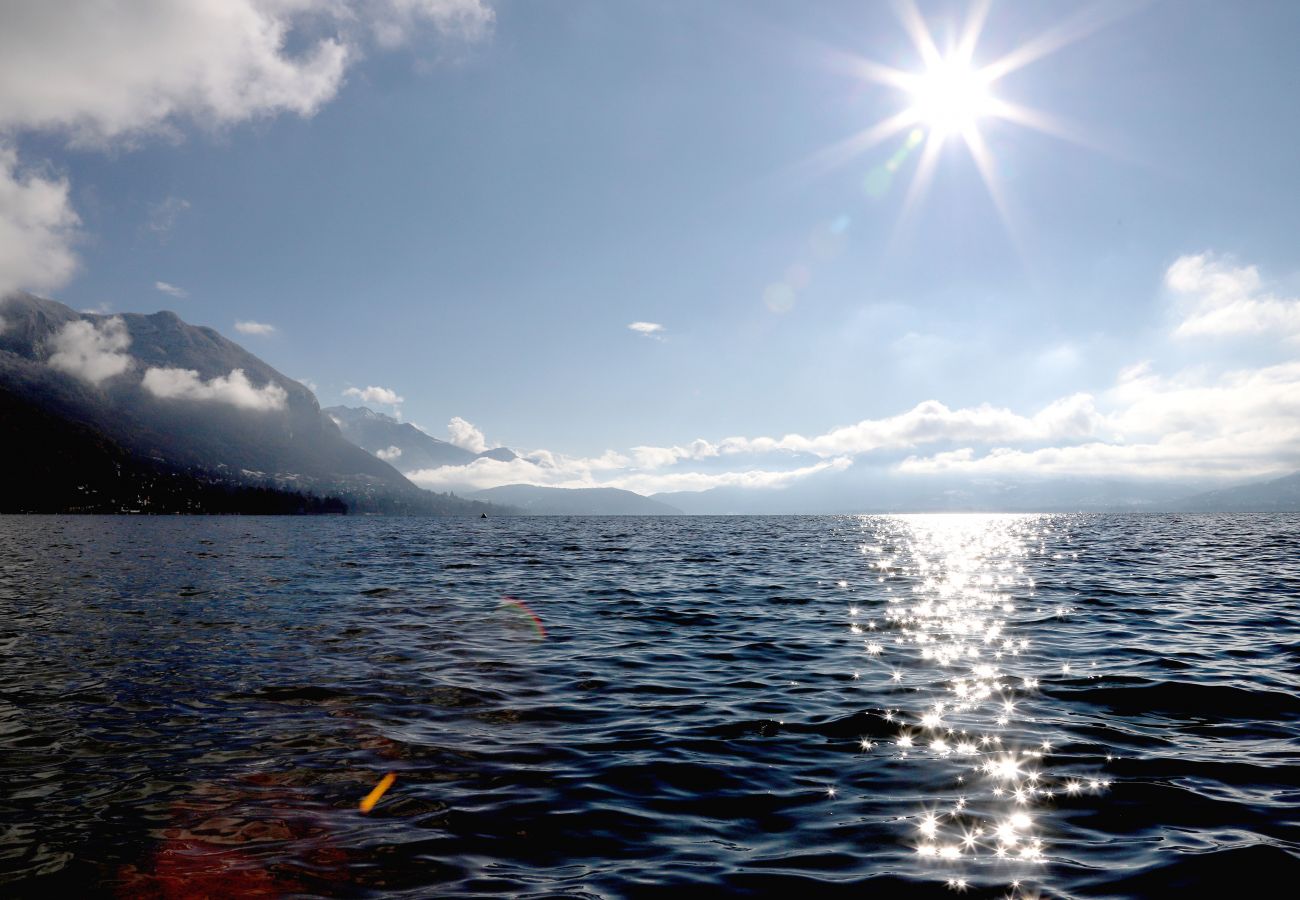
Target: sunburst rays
950, 96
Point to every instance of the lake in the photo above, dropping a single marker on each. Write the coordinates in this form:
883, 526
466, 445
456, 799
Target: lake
1022, 705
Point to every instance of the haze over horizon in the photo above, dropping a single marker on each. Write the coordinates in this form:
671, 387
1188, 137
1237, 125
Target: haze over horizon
679, 246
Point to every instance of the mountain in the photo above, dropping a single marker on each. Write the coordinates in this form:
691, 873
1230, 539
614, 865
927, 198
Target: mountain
403, 445
1278, 495
153, 396
549, 501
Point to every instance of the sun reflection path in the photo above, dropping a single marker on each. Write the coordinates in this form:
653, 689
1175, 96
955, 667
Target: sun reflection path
953, 587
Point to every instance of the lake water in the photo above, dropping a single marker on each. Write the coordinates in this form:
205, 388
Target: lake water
1076, 706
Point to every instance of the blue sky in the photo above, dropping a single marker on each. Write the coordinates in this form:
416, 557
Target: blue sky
470, 202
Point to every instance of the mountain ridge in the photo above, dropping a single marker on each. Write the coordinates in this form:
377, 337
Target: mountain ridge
186, 400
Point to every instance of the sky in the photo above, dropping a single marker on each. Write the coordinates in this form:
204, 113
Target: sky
671, 246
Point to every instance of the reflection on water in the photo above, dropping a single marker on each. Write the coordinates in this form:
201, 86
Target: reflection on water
949, 635
755, 707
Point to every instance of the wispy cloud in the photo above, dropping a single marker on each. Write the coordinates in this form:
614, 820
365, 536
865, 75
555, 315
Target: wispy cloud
460, 20
163, 216
389, 454
647, 329
171, 289
247, 326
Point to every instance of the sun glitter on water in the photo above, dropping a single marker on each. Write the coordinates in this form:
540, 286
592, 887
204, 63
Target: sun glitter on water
961, 583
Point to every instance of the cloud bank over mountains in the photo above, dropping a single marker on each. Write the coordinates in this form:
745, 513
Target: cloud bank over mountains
1210, 420
109, 76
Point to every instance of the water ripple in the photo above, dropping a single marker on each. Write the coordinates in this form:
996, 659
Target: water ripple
1055, 705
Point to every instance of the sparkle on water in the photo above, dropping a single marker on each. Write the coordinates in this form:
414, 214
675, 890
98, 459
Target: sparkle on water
965, 682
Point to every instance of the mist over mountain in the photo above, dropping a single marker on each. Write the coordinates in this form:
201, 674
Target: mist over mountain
151, 393
1276, 495
548, 501
405, 447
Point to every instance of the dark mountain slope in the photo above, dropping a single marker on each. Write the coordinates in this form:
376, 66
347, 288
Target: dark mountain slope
186, 398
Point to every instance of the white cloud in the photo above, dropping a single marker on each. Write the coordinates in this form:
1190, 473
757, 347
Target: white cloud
91, 352
1217, 298
609, 470
466, 436
389, 454
105, 71
1240, 424
374, 394
235, 389
1070, 418
101, 71
37, 227
170, 289
258, 328
647, 329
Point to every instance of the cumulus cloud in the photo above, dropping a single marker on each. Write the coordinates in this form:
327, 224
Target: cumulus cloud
171, 289
251, 327
1217, 298
389, 454
90, 351
103, 71
235, 389
375, 394
466, 436
37, 227
647, 329
1240, 423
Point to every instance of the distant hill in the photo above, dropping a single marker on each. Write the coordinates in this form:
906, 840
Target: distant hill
402, 445
151, 394
549, 501
1277, 495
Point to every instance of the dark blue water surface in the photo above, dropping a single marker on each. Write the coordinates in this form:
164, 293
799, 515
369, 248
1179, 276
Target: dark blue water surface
1075, 706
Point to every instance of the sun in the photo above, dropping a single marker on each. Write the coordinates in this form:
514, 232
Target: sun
950, 97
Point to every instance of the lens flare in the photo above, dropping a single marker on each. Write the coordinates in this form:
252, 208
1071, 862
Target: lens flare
369, 800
